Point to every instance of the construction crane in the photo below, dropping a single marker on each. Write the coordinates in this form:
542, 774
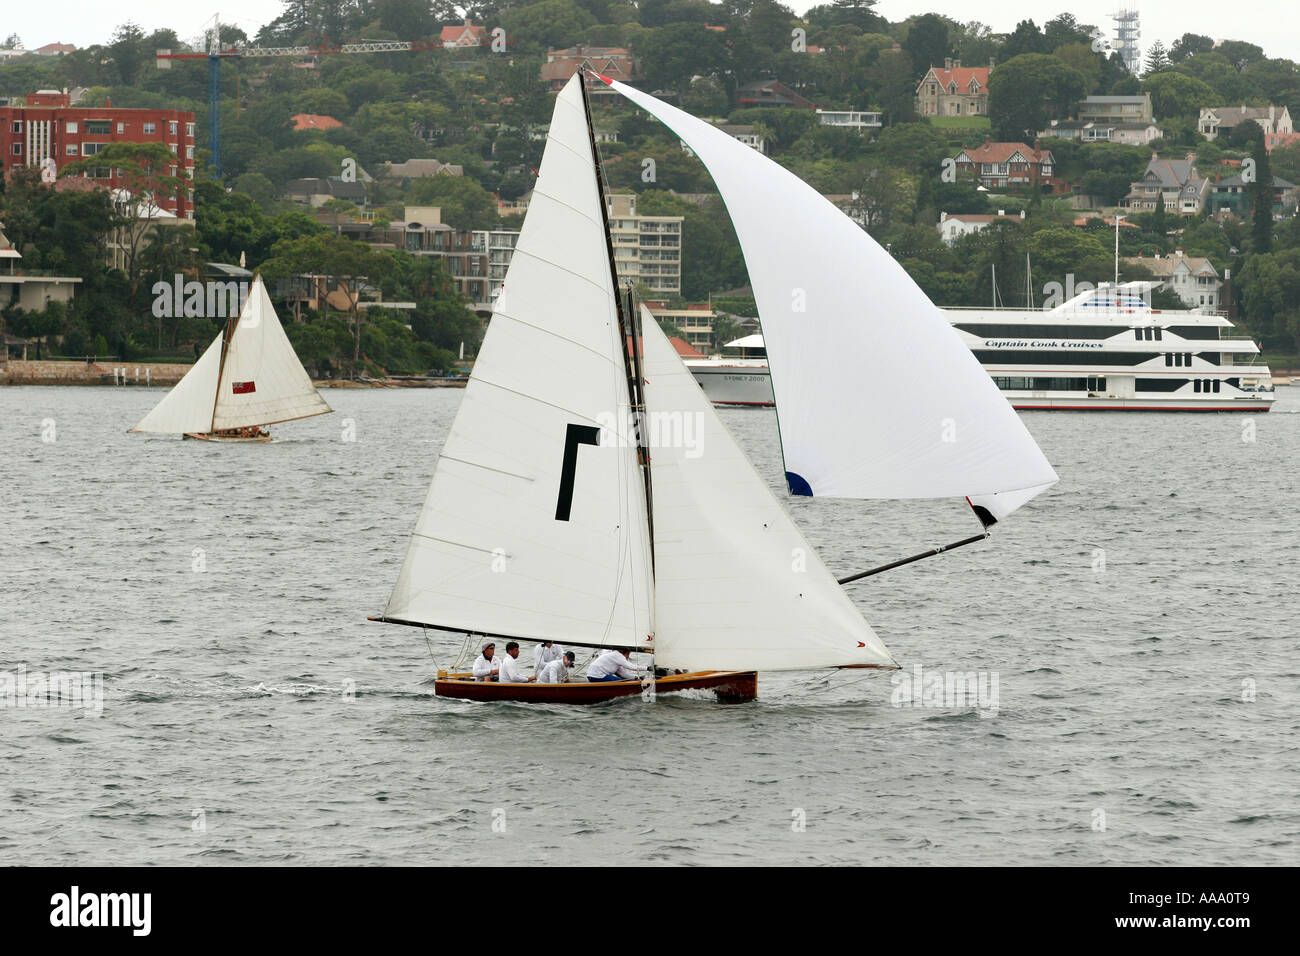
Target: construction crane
215, 54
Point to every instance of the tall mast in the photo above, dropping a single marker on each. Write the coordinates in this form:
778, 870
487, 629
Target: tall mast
627, 332
231, 321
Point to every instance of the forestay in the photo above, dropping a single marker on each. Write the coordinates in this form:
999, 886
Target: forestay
535, 522
876, 395
737, 587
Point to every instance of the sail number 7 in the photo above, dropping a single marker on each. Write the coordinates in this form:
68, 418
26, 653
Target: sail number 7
575, 436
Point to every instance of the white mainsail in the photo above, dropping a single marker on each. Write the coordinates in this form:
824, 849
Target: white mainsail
188, 406
531, 529
262, 381
737, 587
876, 395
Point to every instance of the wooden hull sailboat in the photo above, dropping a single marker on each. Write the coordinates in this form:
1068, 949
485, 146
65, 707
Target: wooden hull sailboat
728, 686
587, 493
248, 378
217, 436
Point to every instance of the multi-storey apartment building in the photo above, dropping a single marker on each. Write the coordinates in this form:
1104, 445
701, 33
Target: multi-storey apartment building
695, 322
499, 244
423, 233
47, 128
1117, 109
646, 248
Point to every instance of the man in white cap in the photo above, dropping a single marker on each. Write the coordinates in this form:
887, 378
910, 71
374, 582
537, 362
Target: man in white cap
484, 667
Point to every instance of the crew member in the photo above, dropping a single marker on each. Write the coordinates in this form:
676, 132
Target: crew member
510, 672
613, 665
484, 667
557, 671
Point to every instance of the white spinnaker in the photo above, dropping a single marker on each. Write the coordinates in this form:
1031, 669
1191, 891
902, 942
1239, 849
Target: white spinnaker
876, 394
263, 382
489, 554
737, 587
188, 406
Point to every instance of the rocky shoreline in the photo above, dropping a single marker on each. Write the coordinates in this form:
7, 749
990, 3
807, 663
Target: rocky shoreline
25, 372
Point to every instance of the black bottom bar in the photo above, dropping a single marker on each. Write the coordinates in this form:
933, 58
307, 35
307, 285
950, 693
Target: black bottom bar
916, 557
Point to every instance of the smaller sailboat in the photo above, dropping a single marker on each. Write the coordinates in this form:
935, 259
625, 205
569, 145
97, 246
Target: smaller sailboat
249, 377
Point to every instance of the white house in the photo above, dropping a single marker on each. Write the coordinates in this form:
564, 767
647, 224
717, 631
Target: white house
1223, 119
953, 226
859, 120
1192, 278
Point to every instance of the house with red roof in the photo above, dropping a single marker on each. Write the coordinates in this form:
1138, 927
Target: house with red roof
1008, 165
954, 90
55, 49
465, 35
303, 121
610, 61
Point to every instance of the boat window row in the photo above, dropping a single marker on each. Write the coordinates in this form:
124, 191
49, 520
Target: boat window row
1180, 359
1195, 331
1091, 383
1159, 384
1148, 333
1206, 384
1063, 357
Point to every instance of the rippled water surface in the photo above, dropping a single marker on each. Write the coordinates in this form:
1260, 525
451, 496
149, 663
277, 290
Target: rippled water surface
1140, 618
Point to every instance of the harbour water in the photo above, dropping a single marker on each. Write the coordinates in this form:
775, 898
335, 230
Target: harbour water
1138, 622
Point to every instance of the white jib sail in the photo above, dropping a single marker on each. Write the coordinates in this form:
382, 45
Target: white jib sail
737, 587
263, 382
188, 406
535, 525
876, 395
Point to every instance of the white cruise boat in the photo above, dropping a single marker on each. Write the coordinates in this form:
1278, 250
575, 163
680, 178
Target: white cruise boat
1107, 349
738, 377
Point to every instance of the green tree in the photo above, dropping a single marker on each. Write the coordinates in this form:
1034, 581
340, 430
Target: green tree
1027, 91
1261, 196
1176, 95
1157, 58
1188, 45
128, 53
345, 264
927, 41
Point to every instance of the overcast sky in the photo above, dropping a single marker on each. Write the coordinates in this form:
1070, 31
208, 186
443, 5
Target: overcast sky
1269, 25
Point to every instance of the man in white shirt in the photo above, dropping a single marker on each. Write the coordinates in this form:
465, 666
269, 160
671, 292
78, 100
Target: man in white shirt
543, 654
613, 665
557, 672
484, 667
510, 672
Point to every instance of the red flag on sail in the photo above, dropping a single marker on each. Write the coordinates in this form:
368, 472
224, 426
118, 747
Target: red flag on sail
243, 388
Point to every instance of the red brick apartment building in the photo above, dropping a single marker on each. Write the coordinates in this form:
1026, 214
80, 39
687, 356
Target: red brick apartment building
47, 126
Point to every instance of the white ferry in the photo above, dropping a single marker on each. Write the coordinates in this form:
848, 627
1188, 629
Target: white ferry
738, 377
1107, 349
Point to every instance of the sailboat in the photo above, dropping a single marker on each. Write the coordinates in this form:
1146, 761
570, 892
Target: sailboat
248, 378
588, 494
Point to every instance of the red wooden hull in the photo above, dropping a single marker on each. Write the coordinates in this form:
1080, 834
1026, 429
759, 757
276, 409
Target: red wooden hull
730, 686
